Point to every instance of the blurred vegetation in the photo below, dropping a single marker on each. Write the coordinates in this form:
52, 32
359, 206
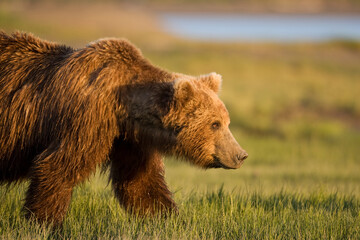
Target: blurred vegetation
256, 6
247, 6
280, 90
294, 107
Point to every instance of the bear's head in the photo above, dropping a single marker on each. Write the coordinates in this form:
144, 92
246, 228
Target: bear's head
200, 122
182, 117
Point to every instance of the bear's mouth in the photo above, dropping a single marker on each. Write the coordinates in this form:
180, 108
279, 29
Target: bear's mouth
218, 164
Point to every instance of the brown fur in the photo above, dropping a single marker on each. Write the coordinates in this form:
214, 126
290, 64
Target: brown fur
63, 112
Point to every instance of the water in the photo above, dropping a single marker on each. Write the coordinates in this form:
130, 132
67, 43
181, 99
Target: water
283, 28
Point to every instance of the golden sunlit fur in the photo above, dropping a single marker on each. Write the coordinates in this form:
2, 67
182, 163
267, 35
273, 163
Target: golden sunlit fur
65, 111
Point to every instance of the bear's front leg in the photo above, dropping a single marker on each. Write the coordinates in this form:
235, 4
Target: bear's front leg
47, 200
138, 179
53, 176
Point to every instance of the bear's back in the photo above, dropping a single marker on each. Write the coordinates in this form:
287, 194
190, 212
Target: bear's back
24, 59
26, 45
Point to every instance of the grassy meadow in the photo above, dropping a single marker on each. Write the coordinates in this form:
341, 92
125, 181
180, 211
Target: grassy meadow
294, 107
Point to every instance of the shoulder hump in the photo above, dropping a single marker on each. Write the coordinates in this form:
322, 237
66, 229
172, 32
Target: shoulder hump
117, 49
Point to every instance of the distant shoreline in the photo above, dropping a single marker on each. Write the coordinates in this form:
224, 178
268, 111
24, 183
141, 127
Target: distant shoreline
246, 8
262, 27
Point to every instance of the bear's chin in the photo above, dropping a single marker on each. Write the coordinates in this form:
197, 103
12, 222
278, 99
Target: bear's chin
218, 164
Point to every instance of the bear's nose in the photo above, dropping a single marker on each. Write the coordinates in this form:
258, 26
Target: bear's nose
242, 156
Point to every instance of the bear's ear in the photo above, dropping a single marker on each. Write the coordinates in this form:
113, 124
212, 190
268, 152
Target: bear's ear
183, 91
212, 80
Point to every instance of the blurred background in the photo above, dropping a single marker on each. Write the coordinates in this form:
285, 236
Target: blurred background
291, 78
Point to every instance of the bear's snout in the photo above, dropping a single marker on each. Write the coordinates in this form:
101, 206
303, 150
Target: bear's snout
242, 156
228, 153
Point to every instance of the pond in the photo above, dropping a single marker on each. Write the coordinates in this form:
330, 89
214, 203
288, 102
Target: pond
276, 28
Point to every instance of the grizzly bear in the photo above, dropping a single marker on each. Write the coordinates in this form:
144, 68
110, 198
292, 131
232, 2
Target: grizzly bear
65, 111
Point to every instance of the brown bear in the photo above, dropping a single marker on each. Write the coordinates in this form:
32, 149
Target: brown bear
65, 111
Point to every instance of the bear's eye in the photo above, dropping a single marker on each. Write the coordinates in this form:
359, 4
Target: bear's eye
215, 125
178, 129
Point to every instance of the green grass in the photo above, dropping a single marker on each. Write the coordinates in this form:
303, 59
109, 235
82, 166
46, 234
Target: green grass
287, 189
295, 108
216, 214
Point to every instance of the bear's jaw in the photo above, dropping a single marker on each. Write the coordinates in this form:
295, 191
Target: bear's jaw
217, 163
